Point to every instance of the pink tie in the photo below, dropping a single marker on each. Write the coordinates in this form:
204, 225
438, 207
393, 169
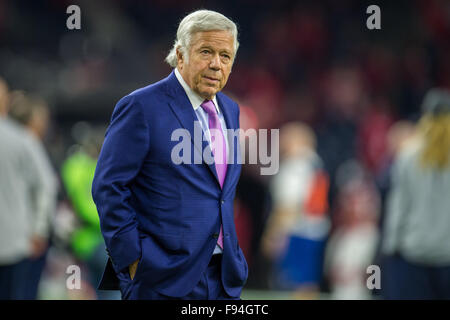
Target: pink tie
218, 148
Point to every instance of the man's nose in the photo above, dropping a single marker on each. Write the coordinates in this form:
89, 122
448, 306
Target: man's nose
215, 62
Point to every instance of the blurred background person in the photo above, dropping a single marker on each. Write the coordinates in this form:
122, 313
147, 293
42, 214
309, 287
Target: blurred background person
86, 240
354, 237
252, 207
32, 114
399, 135
26, 197
298, 225
416, 237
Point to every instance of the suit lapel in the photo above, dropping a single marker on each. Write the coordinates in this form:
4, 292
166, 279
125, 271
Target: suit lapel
185, 114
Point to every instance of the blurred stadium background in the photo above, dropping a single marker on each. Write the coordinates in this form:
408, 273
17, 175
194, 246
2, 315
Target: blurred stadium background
354, 93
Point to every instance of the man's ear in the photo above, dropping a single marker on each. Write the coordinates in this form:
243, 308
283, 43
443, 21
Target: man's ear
180, 58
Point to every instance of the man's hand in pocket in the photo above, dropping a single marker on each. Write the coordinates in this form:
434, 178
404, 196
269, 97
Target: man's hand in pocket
132, 269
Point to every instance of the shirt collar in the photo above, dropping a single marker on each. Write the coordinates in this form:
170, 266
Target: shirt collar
194, 98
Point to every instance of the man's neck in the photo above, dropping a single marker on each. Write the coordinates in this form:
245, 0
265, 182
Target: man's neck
195, 99
181, 73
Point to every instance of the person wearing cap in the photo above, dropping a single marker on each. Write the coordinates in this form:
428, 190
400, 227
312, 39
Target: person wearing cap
168, 225
416, 236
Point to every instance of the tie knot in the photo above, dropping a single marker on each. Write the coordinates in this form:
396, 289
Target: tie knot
209, 107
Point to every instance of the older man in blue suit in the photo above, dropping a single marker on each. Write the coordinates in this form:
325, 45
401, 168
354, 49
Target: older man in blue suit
168, 226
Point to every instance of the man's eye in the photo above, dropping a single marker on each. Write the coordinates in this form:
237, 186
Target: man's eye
205, 51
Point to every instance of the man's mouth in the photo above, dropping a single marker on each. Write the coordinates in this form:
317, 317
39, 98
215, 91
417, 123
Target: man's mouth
211, 79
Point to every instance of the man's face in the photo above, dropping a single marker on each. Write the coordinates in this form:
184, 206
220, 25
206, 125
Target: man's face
210, 59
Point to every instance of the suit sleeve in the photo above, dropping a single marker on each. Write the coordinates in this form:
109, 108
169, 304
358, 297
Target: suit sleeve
124, 149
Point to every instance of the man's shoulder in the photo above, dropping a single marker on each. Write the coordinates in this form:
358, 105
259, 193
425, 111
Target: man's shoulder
151, 91
144, 101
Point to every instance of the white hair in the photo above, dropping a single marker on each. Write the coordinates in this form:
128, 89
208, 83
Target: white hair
197, 21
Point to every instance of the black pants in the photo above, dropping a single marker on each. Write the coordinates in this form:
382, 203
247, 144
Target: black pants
13, 280
208, 288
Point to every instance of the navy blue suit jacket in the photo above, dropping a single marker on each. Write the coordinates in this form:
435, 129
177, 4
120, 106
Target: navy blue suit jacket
167, 215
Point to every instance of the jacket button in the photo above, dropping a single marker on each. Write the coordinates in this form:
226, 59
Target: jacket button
216, 235
223, 201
